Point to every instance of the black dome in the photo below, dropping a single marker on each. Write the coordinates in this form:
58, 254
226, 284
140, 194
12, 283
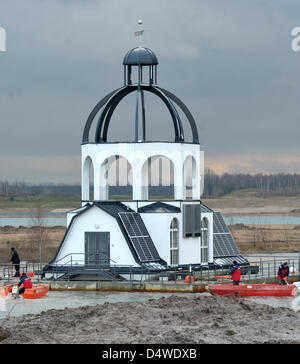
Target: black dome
140, 56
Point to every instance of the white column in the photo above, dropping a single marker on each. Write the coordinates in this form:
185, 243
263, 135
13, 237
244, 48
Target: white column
96, 182
137, 184
178, 179
197, 181
85, 178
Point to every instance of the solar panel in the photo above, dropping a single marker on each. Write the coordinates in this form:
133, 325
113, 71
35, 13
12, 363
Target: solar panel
224, 244
139, 236
219, 224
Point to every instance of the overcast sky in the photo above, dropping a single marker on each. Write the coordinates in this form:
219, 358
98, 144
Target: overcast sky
230, 61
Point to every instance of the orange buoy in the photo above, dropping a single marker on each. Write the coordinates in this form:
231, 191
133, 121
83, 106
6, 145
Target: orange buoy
30, 293
36, 291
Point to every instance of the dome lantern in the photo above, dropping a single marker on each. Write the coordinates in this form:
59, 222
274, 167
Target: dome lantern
140, 57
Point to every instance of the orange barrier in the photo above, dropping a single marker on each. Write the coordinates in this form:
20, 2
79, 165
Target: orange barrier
5, 290
30, 293
253, 290
223, 277
36, 292
187, 279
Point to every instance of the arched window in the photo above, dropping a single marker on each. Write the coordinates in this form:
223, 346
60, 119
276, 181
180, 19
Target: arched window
174, 242
189, 177
204, 240
158, 178
116, 179
88, 180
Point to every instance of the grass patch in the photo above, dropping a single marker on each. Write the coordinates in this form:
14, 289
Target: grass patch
48, 202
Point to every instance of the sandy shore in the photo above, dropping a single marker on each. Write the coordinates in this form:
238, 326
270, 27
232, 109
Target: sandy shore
171, 320
255, 206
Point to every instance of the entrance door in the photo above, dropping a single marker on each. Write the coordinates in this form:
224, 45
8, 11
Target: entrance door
97, 249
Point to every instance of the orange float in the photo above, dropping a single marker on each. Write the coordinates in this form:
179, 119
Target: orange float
36, 292
252, 290
30, 293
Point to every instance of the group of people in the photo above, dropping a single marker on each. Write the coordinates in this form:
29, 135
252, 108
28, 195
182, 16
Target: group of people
282, 274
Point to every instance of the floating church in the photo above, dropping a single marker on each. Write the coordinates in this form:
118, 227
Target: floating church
141, 210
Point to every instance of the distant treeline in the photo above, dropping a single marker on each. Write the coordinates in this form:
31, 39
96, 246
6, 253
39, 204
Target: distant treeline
17, 188
272, 184
214, 185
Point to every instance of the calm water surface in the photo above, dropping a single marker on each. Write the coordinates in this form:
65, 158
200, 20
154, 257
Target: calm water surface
61, 300
56, 219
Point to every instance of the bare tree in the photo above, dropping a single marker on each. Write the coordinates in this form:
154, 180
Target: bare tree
40, 231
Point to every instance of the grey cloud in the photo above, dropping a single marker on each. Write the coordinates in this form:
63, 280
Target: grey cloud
230, 62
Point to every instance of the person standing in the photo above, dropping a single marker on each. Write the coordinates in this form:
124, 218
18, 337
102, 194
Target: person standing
283, 274
15, 260
235, 273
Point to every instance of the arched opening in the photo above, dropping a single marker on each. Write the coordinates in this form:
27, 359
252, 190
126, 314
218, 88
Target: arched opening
174, 242
88, 180
204, 240
189, 177
116, 179
158, 178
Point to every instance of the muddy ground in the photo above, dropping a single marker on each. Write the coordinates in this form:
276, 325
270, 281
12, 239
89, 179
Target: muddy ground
171, 320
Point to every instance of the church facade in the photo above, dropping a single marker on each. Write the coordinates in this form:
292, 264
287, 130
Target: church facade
141, 205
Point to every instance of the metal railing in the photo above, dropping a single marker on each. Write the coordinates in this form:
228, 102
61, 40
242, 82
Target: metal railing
81, 263
264, 269
8, 270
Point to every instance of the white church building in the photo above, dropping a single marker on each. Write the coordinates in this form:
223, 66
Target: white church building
141, 205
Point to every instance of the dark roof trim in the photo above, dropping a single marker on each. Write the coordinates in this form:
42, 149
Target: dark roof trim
114, 98
204, 208
159, 207
105, 117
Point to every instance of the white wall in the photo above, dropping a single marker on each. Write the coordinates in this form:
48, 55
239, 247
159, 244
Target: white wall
96, 220
137, 154
158, 225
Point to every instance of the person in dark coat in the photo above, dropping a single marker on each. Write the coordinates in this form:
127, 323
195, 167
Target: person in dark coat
235, 273
283, 274
15, 260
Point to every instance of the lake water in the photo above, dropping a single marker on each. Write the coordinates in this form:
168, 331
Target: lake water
58, 219
61, 300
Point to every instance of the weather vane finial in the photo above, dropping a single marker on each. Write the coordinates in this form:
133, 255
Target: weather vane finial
139, 33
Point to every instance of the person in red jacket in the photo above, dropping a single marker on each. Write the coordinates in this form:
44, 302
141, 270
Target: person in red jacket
25, 282
235, 273
283, 273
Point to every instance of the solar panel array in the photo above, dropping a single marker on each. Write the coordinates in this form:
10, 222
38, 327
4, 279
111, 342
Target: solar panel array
139, 237
224, 244
220, 226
